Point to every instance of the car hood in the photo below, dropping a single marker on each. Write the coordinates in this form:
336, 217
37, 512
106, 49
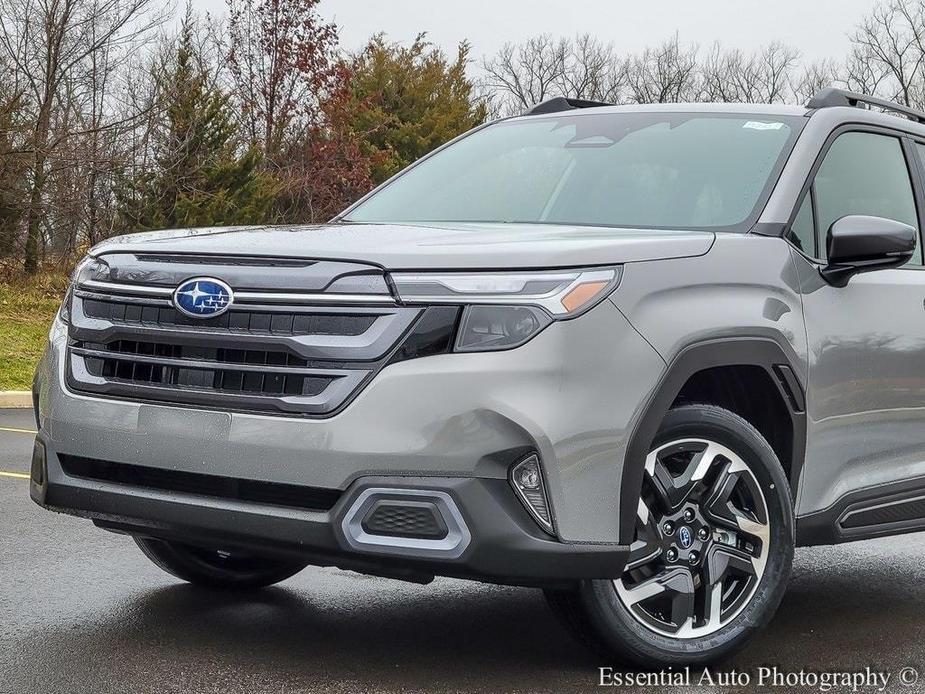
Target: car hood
418, 246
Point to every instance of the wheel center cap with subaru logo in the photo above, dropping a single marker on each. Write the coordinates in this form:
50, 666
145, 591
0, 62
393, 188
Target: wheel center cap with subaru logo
203, 297
685, 537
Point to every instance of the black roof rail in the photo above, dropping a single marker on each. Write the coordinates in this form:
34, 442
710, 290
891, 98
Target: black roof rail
832, 96
560, 103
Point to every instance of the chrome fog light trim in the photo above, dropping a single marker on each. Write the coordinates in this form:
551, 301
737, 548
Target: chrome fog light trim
451, 546
526, 478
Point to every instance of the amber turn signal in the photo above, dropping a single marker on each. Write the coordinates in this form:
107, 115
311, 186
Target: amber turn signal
581, 294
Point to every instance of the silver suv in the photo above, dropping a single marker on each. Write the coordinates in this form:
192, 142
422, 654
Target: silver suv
631, 355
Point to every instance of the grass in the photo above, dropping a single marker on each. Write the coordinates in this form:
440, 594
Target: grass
27, 307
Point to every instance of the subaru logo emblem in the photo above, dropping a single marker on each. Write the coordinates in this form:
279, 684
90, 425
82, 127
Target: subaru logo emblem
685, 537
203, 297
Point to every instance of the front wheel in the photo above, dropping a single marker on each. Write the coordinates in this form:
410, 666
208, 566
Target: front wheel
216, 568
712, 551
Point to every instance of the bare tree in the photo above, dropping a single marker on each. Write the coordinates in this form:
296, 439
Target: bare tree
666, 73
728, 75
813, 77
593, 71
888, 52
763, 76
522, 75
777, 62
52, 44
528, 73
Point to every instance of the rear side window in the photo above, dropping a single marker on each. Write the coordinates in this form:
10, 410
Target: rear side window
863, 173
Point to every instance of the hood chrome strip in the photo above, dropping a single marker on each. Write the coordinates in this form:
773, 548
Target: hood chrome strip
243, 297
118, 288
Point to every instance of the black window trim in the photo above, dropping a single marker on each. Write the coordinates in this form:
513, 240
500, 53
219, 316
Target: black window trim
788, 229
918, 184
814, 203
914, 168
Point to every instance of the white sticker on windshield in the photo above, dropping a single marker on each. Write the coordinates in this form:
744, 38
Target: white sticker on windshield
758, 125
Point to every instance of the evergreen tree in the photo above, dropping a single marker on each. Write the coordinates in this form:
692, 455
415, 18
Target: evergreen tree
406, 101
201, 176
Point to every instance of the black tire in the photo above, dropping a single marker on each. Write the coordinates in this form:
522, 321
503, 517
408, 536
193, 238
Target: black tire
594, 612
215, 569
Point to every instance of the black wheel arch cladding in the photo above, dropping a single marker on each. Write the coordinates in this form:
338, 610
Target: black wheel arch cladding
762, 352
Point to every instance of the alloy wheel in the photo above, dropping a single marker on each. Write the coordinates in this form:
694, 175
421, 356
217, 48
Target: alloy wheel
702, 540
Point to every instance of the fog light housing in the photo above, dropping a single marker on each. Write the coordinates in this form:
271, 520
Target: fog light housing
527, 479
37, 472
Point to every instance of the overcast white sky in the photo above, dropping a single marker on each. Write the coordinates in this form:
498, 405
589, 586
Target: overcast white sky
818, 28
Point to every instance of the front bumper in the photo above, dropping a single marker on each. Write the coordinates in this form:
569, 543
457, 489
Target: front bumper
503, 544
455, 422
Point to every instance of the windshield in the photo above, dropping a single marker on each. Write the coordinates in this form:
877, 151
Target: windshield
647, 170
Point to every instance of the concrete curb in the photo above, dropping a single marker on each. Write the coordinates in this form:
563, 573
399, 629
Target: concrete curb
15, 398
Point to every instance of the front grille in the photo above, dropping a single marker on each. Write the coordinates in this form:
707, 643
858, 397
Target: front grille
276, 323
278, 351
219, 369
272, 493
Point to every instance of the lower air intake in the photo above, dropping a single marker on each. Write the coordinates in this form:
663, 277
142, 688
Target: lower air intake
419, 519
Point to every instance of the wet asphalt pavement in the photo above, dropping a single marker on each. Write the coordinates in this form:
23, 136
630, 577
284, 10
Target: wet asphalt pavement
81, 610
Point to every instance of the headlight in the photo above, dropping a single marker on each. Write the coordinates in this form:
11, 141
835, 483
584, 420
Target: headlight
64, 312
505, 310
562, 293
485, 328
89, 268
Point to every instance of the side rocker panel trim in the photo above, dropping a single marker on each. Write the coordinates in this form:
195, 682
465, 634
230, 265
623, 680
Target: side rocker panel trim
738, 351
831, 526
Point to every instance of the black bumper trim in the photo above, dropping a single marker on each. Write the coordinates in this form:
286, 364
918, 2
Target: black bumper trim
217, 486
506, 547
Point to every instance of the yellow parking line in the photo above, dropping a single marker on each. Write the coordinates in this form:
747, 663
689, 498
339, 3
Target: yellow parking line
18, 431
16, 475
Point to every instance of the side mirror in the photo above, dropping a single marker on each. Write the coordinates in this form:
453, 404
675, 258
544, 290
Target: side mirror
859, 243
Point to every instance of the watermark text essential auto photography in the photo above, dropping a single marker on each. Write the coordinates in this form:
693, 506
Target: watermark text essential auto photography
764, 679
